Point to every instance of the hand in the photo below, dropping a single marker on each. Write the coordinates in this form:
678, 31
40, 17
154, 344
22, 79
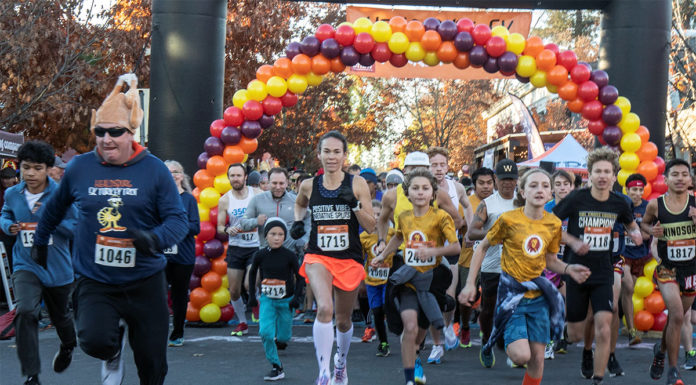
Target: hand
346, 193
39, 254
294, 303
579, 273
261, 219
468, 295
232, 230
376, 261
297, 230
657, 230
692, 213
252, 302
381, 245
580, 247
14, 228
145, 242
128, 78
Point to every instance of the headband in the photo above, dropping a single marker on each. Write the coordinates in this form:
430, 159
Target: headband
635, 183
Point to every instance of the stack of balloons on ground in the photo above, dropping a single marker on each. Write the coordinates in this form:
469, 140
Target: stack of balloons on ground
648, 306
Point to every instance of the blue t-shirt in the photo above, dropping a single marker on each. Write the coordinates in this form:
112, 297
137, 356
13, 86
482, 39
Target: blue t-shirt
632, 251
184, 252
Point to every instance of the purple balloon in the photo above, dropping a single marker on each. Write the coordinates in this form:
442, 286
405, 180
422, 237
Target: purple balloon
293, 49
266, 121
194, 282
507, 62
611, 115
464, 42
522, 79
478, 56
612, 135
431, 23
349, 56
491, 65
251, 129
222, 237
214, 146
608, 95
330, 48
201, 266
213, 248
203, 160
600, 77
310, 45
366, 59
447, 30
230, 135
586, 64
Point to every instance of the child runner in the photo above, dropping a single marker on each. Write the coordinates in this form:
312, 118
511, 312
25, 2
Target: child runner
278, 265
530, 307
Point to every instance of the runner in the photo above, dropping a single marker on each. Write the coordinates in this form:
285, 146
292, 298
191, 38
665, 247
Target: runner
486, 214
128, 211
426, 231
277, 267
592, 214
339, 204
36, 280
243, 244
671, 219
484, 185
531, 308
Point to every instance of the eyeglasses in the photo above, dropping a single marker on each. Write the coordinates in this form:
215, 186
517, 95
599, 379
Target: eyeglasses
113, 132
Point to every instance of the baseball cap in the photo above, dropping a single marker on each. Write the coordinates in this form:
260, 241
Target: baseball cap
394, 177
506, 169
417, 158
369, 175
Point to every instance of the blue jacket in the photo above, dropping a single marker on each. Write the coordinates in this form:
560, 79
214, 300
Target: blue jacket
185, 251
59, 270
111, 199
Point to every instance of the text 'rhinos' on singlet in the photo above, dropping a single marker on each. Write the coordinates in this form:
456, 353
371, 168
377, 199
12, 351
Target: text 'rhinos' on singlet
677, 246
496, 205
235, 212
334, 225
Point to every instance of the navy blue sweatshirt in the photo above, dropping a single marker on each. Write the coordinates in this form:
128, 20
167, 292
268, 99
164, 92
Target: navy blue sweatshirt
138, 194
185, 251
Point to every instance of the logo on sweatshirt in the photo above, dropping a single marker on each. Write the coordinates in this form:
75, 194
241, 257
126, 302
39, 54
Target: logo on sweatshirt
109, 216
533, 245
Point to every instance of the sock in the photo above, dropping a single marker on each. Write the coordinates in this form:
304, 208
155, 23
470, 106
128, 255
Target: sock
364, 305
530, 381
238, 307
343, 345
323, 335
378, 315
409, 374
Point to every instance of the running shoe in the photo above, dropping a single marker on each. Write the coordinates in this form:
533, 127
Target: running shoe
62, 359
369, 334
32, 380
240, 330
323, 379
410, 383
561, 347
548, 352
436, 355
673, 377
340, 376
587, 365
309, 316
275, 374
450, 338
658, 364
487, 359
597, 380
465, 338
514, 365
255, 314
690, 360
112, 370
281, 345
383, 349
418, 374
176, 343
633, 337
614, 367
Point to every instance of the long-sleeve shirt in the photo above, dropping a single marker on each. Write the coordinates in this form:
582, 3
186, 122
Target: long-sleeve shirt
185, 251
277, 268
284, 208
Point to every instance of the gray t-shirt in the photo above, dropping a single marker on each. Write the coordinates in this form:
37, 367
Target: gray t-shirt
495, 206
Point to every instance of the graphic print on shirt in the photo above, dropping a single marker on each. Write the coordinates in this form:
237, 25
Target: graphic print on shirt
597, 229
418, 240
379, 272
533, 245
109, 216
331, 237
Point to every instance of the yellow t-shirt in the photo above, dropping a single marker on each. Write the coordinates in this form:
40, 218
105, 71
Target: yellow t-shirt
403, 204
525, 242
375, 275
468, 252
429, 230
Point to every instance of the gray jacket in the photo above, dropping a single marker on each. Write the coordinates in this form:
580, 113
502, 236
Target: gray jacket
264, 203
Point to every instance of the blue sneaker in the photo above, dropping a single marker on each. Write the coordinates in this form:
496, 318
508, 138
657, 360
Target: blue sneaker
419, 376
487, 359
176, 343
323, 379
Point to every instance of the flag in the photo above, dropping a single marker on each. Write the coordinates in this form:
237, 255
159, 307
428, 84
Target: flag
535, 145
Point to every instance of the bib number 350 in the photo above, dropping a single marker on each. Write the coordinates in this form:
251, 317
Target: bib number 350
332, 238
114, 252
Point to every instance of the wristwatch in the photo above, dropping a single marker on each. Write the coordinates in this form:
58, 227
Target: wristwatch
357, 208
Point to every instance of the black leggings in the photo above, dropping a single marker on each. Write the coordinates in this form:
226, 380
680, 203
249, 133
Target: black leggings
178, 277
380, 326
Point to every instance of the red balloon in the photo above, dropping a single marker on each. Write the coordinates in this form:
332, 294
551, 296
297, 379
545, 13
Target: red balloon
588, 91
216, 127
567, 59
381, 52
289, 99
601, 140
654, 302
652, 196
496, 46
644, 320
324, 31
398, 61
199, 247
364, 42
481, 33
660, 321
659, 185
226, 313
271, 105
233, 116
207, 231
252, 110
214, 215
465, 25
580, 74
592, 110
345, 35
596, 127
660, 163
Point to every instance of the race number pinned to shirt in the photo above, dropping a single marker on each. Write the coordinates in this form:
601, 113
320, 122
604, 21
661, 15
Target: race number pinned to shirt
598, 238
114, 252
681, 250
273, 288
380, 272
410, 254
332, 237
26, 234
248, 236
615, 249
171, 250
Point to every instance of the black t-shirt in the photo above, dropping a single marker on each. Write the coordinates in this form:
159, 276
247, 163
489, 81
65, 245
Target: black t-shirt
278, 266
592, 221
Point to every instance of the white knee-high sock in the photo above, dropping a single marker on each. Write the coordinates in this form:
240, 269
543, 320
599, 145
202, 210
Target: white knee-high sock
343, 345
238, 306
323, 335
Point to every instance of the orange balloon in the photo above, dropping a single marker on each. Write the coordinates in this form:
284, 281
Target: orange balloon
337, 65
462, 60
219, 266
192, 313
248, 145
216, 165
431, 40
648, 151
643, 320
283, 67
576, 105
534, 46
568, 91
414, 30
447, 52
558, 76
644, 134
233, 154
648, 169
647, 190
654, 303
196, 192
199, 297
397, 24
321, 65
545, 60
264, 72
203, 179
301, 64
211, 281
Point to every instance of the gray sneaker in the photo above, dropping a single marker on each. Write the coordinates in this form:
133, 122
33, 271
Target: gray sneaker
673, 377
690, 360
112, 370
487, 358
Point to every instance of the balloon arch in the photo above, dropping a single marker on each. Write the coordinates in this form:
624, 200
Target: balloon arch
398, 41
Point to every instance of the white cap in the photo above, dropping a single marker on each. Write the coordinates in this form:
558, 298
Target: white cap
417, 158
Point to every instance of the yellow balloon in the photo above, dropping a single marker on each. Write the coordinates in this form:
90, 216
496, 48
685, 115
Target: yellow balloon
622, 175
276, 86
624, 104
363, 24
348, 23
630, 142
209, 197
314, 80
239, 98
552, 89
638, 304
516, 43
222, 184
629, 161
629, 123
398, 43
501, 31
225, 282
297, 83
256, 90
431, 59
203, 213
246, 157
381, 31
221, 296
538, 80
649, 268
643, 287
526, 66
415, 52
210, 313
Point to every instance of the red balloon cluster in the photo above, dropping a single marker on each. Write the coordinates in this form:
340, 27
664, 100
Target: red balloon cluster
653, 316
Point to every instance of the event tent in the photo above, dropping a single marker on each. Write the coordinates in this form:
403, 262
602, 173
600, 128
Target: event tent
567, 154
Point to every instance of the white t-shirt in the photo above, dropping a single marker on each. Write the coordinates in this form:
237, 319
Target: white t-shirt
495, 207
32, 198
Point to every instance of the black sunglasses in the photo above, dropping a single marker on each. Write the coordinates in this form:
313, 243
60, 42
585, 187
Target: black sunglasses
113, 132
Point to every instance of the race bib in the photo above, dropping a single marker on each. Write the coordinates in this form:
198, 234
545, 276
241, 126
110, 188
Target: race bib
598, 238
332, 237
629, 241
273, 288
615, 249
249, 236
114, 252
26, 234
410, 254
171, 250
682, 250
380, 272
476, 243
561, 250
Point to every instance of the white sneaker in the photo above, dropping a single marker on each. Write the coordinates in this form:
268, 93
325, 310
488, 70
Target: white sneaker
112, 370
451, 341
548, 352
340, 375
514, 365
436, 355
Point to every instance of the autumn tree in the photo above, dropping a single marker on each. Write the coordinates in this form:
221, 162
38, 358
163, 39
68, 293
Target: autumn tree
577, 30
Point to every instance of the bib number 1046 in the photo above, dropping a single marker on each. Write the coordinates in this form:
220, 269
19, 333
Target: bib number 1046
114, 252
